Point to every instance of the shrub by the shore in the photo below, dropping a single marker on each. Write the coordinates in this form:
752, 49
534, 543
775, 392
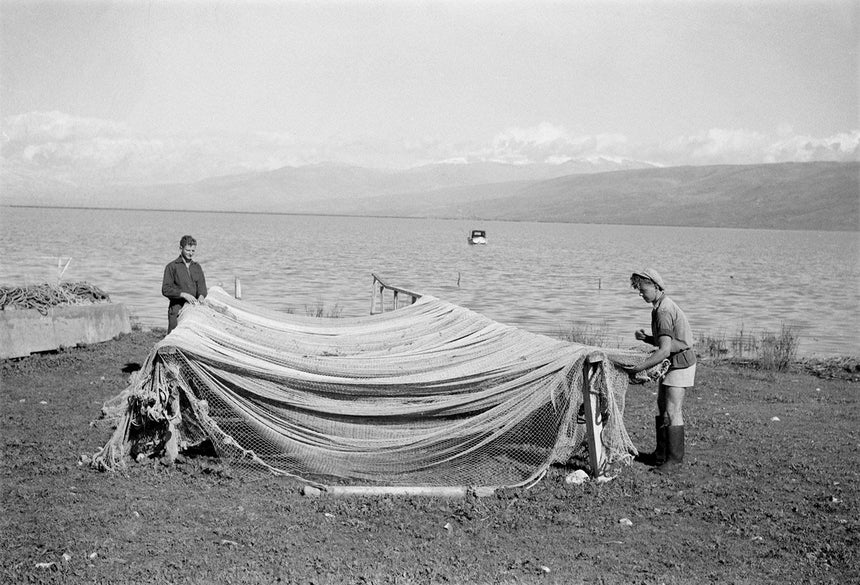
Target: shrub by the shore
767, 350
588, 334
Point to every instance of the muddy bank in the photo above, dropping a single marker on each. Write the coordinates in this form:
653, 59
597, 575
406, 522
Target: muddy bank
769, 495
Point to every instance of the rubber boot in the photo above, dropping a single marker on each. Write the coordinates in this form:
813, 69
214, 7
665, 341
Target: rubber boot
662, 431
674, 450
658, 456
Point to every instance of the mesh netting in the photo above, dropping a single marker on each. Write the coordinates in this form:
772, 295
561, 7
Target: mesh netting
429, 395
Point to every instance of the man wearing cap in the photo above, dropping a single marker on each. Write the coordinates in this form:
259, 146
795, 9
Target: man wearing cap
671, 334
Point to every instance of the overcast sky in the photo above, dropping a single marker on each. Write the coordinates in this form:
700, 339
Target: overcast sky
193, 88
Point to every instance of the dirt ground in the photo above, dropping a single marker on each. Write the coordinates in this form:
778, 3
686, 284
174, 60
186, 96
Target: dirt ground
769, 494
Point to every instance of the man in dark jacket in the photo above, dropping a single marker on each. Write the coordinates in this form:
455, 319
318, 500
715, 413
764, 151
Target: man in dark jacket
183, 281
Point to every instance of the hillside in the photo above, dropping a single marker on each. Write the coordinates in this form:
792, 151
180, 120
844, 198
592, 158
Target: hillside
278, 190
819, 196
814, 196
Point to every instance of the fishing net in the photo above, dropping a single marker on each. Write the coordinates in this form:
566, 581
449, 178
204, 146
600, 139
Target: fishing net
44, 296
431, 394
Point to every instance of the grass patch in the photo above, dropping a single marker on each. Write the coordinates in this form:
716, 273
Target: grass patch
320, 310
135, 323
587, 334
770, 351
778, 350
317, 310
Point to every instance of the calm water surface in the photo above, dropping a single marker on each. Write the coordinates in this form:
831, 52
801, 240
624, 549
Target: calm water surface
541, 277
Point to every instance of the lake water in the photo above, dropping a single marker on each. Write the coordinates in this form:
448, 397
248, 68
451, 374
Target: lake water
543, 277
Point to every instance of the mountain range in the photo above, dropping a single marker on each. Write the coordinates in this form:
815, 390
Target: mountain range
814, 196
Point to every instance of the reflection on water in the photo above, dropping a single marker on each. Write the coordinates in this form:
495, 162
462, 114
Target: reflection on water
541, 277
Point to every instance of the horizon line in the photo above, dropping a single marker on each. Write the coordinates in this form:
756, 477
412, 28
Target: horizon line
354, 215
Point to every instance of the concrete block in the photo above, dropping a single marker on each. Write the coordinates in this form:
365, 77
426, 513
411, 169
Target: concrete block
25, 332
28, 331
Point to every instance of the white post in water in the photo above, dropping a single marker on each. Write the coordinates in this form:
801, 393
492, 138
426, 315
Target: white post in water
237, 288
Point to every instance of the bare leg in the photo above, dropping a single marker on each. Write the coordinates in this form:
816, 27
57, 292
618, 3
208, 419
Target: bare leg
670, 402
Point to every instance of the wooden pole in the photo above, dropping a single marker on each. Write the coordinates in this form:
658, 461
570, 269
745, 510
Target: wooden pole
374, 490
594, 427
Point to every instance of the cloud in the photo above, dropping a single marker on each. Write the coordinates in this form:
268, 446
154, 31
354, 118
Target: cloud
92, 151
57, 127
715, 146
57, 147
738, 146
841, 147
548, 143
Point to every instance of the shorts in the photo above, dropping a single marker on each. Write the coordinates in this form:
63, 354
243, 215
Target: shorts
683, 378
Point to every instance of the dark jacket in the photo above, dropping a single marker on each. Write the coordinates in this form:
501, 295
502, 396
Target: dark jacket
179, 279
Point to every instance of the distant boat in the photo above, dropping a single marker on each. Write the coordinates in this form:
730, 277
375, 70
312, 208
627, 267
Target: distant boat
478, 237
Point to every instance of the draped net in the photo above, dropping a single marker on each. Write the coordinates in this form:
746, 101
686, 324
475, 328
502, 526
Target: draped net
432, 394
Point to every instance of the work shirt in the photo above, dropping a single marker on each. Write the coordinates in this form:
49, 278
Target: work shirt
667, 318
179, 278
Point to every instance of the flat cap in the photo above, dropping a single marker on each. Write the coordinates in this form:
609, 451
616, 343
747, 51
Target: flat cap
653, 276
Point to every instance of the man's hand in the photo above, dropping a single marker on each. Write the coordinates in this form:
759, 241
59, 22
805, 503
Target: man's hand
189, 298
641, 335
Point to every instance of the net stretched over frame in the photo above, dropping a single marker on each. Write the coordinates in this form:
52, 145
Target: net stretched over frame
428, 395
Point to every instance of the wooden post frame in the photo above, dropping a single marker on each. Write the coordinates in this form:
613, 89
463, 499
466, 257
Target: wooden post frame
379, 288
593, 420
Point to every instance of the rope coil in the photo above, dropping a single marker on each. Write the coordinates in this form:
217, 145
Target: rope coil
43, 297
